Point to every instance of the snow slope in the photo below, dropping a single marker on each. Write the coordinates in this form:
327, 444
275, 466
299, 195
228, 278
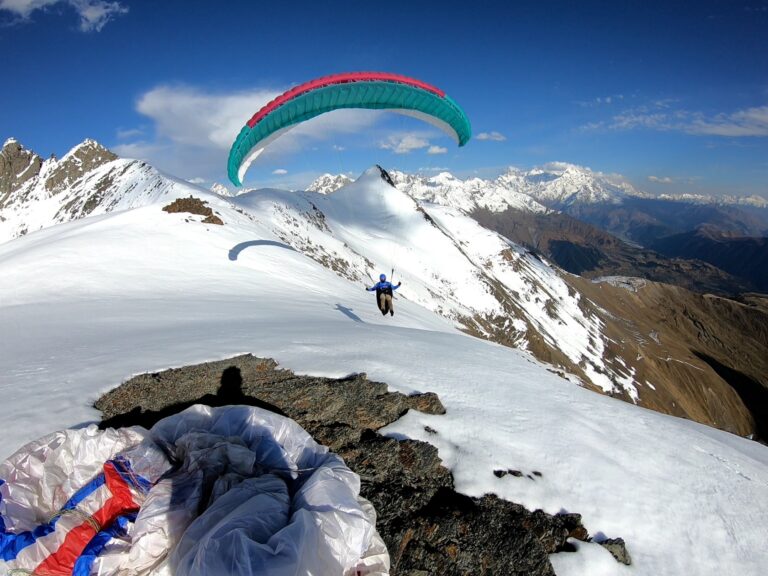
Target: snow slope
87, 304
448, 263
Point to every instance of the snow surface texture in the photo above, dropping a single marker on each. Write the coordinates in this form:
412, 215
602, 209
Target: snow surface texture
88, 304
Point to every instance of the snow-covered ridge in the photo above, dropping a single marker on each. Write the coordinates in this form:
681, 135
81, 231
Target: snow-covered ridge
88, 180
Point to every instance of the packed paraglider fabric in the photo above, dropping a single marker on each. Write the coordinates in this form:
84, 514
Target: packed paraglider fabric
233, 490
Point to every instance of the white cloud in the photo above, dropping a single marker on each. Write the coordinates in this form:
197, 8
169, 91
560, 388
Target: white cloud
197, 180
126, 133
493, 136
437, 150
661, 179
94, 14
280, 172
404, 143
194, 129
338, 148
750, 122
23, 8
433, 169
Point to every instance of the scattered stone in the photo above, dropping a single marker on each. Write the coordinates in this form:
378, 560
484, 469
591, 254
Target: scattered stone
618, 550
430, 430
502, 473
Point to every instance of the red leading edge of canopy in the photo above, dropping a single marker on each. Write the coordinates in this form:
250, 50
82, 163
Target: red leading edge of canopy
344, 78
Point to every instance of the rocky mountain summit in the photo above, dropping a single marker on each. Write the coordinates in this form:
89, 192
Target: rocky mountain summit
17, 166
88, 180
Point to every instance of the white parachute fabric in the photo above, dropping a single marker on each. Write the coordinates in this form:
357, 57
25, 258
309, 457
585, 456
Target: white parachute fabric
230, 490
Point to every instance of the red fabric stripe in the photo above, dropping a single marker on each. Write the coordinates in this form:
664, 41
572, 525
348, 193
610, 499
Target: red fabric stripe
340, 79
61, 562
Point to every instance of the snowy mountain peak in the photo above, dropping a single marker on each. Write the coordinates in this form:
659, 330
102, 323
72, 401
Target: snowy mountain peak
221, 190
90, 152
17, 166
88, 180
328, 183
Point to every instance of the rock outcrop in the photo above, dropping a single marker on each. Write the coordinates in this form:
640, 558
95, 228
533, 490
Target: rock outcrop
17, 166
428, 527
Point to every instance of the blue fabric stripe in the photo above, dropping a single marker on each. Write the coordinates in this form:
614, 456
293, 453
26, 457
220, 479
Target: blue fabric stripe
12, 544
85, 562
2, 522
123, 467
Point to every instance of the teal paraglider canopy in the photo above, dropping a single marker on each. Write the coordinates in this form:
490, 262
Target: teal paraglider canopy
371, 90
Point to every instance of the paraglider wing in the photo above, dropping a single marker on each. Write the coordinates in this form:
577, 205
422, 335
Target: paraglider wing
371, 90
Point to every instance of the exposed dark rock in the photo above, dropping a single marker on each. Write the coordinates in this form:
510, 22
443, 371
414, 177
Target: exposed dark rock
618, 550
193, 205
17, 166
386, 176
428, 527
81, 160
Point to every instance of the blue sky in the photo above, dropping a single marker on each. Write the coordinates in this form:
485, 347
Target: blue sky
673, 95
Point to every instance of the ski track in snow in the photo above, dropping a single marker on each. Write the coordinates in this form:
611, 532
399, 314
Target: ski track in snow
86, 305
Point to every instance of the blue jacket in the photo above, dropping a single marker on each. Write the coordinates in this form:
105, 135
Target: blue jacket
383, 286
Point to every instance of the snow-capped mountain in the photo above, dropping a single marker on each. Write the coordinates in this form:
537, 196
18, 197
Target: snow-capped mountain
754, 200
468, 195
88, 180
135, 290
328, 183
559, 184
554, 185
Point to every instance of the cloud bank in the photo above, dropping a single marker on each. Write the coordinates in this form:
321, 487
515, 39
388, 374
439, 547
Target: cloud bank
94, 14
749, 122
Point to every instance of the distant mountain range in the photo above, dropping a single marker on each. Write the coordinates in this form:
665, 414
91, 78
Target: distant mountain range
738, 255
564, 211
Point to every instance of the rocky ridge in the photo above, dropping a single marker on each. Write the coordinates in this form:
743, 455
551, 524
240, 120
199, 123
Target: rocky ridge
88, 180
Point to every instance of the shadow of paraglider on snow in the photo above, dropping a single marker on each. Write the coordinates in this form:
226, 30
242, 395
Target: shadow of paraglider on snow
348, 313
234, 252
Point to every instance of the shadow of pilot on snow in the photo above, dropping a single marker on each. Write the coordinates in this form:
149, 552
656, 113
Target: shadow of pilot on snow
229, 393
349, 313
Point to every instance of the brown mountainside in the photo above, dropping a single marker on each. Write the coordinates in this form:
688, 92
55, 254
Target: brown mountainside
580, 248
704, 357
